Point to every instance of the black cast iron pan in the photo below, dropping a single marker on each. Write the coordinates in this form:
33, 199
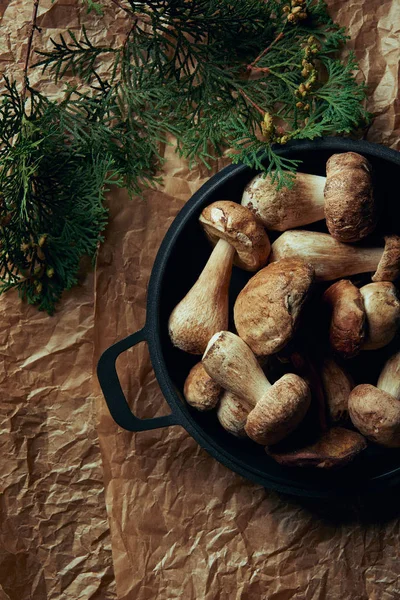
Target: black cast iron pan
180, 259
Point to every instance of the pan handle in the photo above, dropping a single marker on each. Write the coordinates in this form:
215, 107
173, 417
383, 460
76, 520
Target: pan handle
112, 390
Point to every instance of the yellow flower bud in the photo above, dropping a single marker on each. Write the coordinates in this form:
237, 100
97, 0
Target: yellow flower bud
42, 240
38, 286
40, 254
304, 72
299, 105
302, 88
296, 10
50, 272
307, 107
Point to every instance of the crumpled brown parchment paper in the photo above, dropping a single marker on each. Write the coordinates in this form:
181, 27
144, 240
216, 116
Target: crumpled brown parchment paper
182, 525
54, 531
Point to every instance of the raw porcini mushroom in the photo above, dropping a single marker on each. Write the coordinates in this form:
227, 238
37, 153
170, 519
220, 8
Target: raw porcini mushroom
347, 321
350, 208
375, 411
362, 319
200, 390
334, 448
284, 209
204, 309
332, 259
277, 409
233, 412
382, 308
337, 387
267, 309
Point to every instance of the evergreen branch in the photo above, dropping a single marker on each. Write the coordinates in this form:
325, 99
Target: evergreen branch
238, 75
32, 28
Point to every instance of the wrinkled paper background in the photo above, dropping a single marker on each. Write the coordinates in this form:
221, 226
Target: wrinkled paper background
181, 524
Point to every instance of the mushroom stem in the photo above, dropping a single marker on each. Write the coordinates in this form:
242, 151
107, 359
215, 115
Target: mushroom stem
231, 363
233, 412
331, 259
389, 379
284, 209
204, 309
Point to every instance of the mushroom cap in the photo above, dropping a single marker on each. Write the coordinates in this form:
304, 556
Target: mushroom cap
347, 326
337, 387
232, 413
279, 411
237, 225
382, 308
376, 415
389, 265
267, 309
285, 208
200, 390
350, 208
333, 449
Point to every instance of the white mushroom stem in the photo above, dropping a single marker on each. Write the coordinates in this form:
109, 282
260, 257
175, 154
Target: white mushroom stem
232, 413
231, 363
389, 379
284, 209
331, 259
204, 309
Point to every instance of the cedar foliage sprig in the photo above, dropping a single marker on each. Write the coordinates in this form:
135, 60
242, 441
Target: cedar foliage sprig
243, 75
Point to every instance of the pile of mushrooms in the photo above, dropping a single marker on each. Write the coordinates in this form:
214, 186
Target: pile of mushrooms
312, 415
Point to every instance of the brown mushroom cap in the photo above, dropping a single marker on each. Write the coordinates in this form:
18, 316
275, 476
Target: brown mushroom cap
350, 208
233, 412
285, 208
347, 326
389, 265
337, 387
267, 309
376, 415
382, 308
237, 225
333, 449
279, 411
200, 390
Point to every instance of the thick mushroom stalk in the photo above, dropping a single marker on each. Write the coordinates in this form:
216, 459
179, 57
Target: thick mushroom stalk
277, 409
337, 385
200, 390
332, 259
375, 411
232, 413
268, 308
362, 319
350, 208
204, 309
284, 209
